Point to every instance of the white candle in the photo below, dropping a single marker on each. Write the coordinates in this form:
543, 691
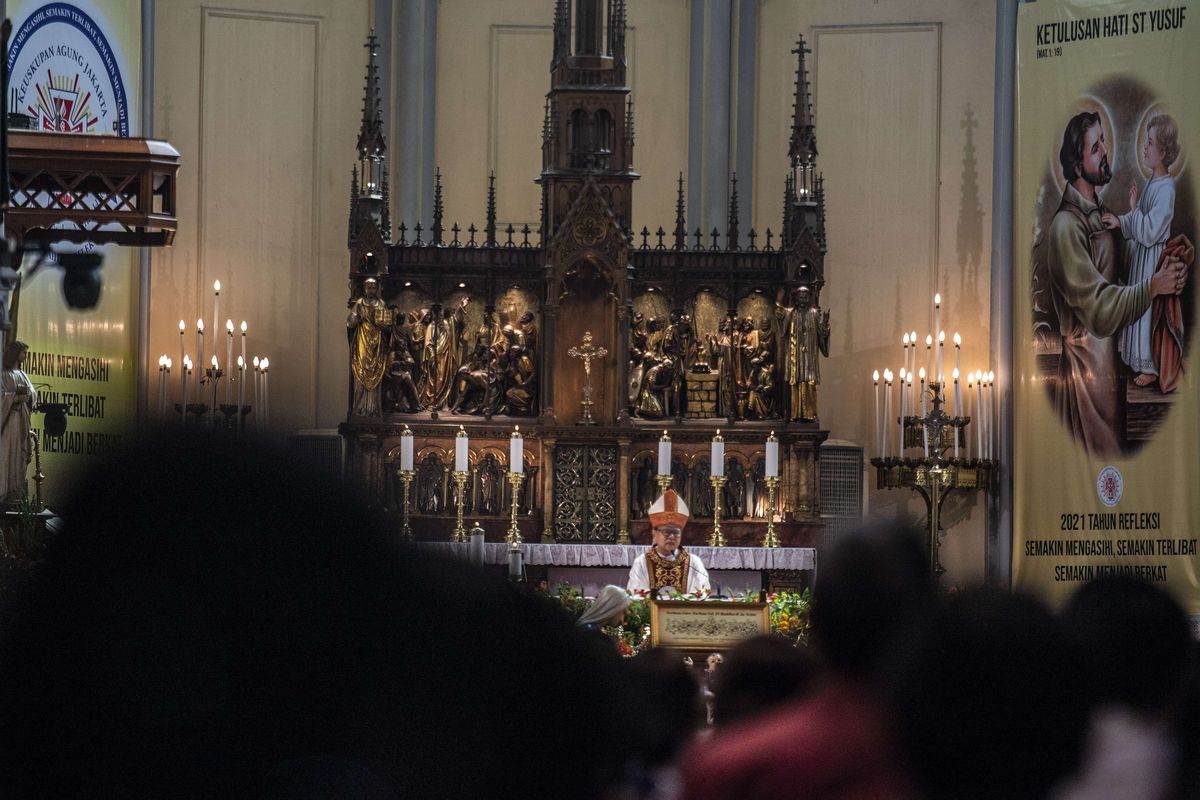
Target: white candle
406, 449
237, 420
162, 373
929, 354
941, 372
879, 429
937, 311
516, 451
199, 353
901, 407
244, 340
887, 406
664, 454
967, 410
257, 393
772, 465
911, 410
924, 430
185, 371
461, 449
979, 414
475, 550
718, 456
957, 351
912, 398
266, 392
228, 355
904, 366
216, 306
955, 412
182, 356
516, 566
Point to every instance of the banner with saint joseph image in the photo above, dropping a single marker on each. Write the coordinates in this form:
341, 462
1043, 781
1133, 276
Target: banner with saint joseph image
1106, 399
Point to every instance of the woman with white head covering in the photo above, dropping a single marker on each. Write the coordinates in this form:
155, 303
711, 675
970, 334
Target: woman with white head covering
607, 609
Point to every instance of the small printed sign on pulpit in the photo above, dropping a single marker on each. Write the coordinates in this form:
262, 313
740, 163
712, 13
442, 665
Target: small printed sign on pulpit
705, 625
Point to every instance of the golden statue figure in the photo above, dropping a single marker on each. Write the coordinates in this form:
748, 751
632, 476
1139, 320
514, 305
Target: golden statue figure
440, 354
368, 357
805, 340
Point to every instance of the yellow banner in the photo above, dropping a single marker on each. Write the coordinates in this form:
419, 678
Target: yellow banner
1106, 412
75, 67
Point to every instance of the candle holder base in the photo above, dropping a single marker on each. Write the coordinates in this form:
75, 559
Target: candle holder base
406, 478
515, 479
717, 539
771, 539
460, 486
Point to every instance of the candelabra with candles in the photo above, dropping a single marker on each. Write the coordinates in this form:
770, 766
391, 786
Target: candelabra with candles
945, 463
234, 372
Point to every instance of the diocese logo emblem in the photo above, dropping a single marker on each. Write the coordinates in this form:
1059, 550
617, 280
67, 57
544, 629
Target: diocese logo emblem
1110, 486
64, 73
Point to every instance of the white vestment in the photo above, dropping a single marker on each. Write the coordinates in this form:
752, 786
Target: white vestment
639, 575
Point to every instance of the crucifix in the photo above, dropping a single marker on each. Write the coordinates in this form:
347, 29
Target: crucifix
587, 351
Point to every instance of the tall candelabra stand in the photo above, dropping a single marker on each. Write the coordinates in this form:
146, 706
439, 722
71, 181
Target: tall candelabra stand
515, 479
717, 539
406, 479
460, 492
934, 476
772, 538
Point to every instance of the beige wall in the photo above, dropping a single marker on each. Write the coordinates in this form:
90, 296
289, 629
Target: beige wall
262, 99
891, 85
493, 72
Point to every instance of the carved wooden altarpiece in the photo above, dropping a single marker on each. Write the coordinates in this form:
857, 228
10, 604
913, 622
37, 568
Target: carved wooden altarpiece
476, 323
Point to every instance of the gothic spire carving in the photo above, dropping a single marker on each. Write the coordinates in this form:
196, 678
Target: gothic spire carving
490, 229
680, 221
732, 235
370, 133
802, 148
439, 208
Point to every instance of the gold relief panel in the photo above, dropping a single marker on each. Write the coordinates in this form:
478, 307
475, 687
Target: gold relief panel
707, 310
758, 307
651, 304
410, 300
514, 302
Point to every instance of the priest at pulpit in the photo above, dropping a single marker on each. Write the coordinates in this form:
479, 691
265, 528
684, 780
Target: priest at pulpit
666, 563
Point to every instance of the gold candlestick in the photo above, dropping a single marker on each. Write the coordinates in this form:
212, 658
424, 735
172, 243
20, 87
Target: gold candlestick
460, 491
772, 538
718, 538
406, 478
664, 483
515, 479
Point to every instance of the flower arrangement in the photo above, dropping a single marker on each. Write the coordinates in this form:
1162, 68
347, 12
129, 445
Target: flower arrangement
789, 614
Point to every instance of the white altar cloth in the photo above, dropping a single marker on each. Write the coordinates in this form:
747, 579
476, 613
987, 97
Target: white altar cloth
622, 555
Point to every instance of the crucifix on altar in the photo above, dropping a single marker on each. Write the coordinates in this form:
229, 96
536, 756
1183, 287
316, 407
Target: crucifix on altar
587, 352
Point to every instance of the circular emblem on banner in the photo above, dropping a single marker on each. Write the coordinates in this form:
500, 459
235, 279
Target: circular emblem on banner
63, 73
1110, 486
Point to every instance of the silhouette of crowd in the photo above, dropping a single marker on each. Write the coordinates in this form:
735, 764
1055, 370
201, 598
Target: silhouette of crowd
215, 620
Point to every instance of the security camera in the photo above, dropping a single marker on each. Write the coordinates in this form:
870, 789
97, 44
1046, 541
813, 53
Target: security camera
81, 278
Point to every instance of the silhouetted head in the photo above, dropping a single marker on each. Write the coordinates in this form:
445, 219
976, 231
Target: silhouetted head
1135, 639
987, 699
